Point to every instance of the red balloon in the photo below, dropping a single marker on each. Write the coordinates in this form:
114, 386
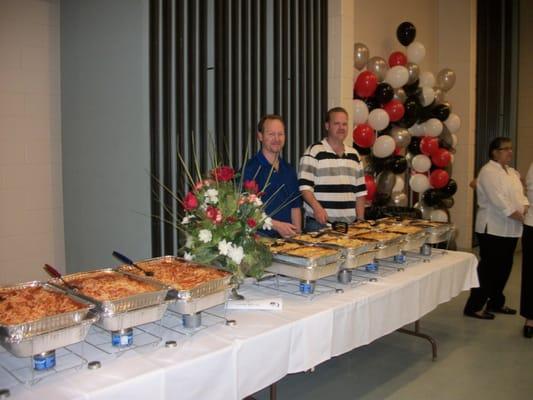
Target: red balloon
370, 187
364, 136
397, 58
429, 145
398, 151
439, 178
366, 84
441, 158
395, 109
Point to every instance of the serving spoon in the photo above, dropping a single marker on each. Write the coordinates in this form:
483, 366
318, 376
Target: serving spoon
126, 260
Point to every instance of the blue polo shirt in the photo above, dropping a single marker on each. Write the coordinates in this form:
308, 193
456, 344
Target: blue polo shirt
288, 197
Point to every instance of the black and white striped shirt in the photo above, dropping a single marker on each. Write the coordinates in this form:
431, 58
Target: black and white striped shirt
336, 181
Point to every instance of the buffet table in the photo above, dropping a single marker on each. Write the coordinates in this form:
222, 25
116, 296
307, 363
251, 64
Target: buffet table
232, 362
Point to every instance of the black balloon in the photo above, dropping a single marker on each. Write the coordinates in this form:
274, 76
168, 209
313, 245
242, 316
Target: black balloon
396, 164
431, 197
414, 146
361, 150
406, 33
384, 93
412, 89
412, 112
447, 202
446, 139
386, 130
441, 112
381, 199
426, 112
378, 164
450, 189
372, 103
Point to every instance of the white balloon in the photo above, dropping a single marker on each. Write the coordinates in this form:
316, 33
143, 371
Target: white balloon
426, 78
433, 127
397, 76
417, 130
438, 215
419, 183
421, 163
399, 185
360, 112
454, 140
416, 52
453, 123
427, 96
378, 119
384, 146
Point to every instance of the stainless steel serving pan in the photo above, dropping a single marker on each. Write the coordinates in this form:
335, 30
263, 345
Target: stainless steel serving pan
303, 272
202, 290
128, 319
36, 344
195, 305
436, 232
117, 306
310, 262
18, 332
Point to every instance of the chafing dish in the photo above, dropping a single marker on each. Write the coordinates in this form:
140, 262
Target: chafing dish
111, 307
306, 255
201, 290
43, 342
354, 252
387, 244
413, 236
128, 319
437, 232
302, 272
18, 332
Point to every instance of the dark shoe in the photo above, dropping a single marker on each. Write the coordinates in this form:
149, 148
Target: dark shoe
479, 314
528, 331
503, 310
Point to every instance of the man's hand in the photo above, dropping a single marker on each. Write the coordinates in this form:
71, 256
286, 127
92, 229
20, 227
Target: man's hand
284, 228
320, 214
517, 216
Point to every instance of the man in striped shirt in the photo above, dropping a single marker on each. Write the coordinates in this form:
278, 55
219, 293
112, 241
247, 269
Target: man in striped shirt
331, 177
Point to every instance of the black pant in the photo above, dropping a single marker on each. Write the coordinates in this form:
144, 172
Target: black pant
526, 293
496, 260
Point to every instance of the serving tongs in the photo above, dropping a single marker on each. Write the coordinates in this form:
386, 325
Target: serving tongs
126, 260
54, 273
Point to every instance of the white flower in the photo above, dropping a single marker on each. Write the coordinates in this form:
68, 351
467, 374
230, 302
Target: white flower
267, 222
205, 236
188, 256
236, 253
188, 241
186, 220
258, 202
212, 196
224, 247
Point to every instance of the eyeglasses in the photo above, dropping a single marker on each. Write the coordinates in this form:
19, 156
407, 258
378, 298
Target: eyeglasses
506, 148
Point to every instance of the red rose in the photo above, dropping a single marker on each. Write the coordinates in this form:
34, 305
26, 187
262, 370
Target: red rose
223, 173
251, 186
190, 202
251, 222
213, 214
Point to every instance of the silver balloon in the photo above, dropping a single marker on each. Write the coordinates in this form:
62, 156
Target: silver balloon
414, 72
378, 66
439, 95
446, 79
447, 202
385, 182
424, 209
409, 158
399, 200
446, 138
401, 136
400, 95
360, 55
447, 104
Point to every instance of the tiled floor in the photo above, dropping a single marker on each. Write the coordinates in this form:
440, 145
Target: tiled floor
477, 360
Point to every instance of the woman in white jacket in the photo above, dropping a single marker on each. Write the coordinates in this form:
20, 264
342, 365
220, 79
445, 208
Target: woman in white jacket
502, 206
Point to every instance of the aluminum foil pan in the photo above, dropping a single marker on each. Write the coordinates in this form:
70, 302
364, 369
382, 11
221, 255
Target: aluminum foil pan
437, 232
18, 332
204, 289
308, 273
50, 340
132, 318
311, 262
195, 305
117, 306
414, 241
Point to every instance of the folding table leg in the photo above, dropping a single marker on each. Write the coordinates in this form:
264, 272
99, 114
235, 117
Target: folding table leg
417, 333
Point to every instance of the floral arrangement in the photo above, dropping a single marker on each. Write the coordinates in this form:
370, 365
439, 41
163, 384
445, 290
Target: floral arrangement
221, 219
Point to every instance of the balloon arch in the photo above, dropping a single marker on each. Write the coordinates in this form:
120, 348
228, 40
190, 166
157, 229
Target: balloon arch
405, 128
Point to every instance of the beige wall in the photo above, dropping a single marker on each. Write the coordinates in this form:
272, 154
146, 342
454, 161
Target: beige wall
447, 30
31, 215
524, 145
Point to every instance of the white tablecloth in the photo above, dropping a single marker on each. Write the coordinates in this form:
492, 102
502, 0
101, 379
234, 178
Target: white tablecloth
224, 362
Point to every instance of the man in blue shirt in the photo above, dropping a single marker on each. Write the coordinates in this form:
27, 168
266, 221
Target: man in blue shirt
276, 178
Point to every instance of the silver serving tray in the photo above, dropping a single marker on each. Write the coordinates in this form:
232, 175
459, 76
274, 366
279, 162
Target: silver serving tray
195, 305
37, 344
437, 234
18, 332
303, 272
132, 318
205, 289
117, 306
305, 261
